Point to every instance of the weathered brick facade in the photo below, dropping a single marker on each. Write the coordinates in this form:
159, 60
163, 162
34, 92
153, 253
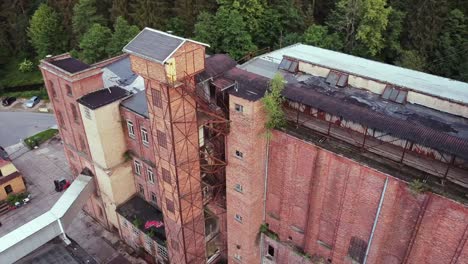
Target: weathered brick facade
64, 89
318, 201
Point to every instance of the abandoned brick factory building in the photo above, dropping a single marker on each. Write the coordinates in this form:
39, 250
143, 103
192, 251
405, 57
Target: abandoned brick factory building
372, 166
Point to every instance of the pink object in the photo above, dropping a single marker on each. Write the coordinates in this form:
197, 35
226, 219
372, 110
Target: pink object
156, 224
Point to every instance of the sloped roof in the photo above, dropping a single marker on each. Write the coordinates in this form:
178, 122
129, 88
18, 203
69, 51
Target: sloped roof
137, 103
414, 80
156, 45
103, 97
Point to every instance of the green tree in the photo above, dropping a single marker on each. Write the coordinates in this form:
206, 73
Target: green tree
273, 103
250, 11
123, 33
94, 42
373, 24
452, 47
84, 16
412, 59
361, 22
119, 9
319, 36
149, 13
225, 31
45, 32
393, 47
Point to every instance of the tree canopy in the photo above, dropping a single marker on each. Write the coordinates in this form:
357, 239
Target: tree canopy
428, 35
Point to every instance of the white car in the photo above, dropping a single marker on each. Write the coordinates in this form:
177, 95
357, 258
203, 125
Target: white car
32, 102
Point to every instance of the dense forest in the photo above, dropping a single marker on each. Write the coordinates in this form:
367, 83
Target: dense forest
426, 35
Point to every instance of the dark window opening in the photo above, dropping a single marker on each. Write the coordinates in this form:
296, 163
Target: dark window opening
52, 89
337, 79
8, 189
157, 101
74, 113
288, 65
357, 249
82, 145
239, 154
69, 90
153, 197
394, 94
271, 251
141, 190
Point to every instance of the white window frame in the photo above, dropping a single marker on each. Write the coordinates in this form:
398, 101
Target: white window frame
144, 136
239, 108
131, 129
137, 165
239, 154
238, 218
150, 173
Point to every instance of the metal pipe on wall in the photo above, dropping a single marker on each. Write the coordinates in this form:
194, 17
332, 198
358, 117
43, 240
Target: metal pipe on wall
376, 219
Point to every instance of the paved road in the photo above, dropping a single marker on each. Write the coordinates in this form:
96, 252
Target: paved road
15, 126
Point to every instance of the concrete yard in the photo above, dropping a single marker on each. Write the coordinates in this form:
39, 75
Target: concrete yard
39, 167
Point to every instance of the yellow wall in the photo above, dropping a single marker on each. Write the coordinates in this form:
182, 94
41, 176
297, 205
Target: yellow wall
107, 145
17, 185
105, 135
8, 169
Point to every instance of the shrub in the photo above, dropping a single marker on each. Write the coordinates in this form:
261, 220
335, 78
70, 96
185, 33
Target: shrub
273, 102
40, 138
418, 186
137, 222
26, 66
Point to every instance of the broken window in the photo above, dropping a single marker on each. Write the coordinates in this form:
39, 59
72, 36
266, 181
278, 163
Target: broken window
239, 154
238, 218
337, 79
288, 65
69, 90
141, 190
357, 249
271, 251
153, 197
238, 187
394, 94
74, 113
239, 108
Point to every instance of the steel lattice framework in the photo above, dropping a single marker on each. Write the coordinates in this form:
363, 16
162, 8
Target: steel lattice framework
175, 129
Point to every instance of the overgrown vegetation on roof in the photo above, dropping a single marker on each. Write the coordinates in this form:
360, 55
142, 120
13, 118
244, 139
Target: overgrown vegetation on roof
273, 102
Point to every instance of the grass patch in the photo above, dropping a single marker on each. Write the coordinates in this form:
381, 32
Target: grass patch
40, 137
41, 93
11, 76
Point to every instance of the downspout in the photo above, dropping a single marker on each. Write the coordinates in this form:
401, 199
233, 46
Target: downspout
64, 236
376, 220
265, 193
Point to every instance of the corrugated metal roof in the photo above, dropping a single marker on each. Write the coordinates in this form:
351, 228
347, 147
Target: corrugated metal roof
155, 45
405, 129
414, 80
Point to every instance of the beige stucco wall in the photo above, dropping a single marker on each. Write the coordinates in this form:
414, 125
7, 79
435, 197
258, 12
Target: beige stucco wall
116, 187
313, 69
378, 88
439, 104
17, 184
105, 135
8, 169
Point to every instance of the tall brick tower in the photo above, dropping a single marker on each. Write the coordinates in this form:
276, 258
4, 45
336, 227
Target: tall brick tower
169, 64
68, 79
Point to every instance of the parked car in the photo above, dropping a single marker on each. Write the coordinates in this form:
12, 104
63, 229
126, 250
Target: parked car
32, 102
8, 101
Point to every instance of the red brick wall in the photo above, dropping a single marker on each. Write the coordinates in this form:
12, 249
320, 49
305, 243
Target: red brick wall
321, 200
72, 131
136, 144
246, 135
